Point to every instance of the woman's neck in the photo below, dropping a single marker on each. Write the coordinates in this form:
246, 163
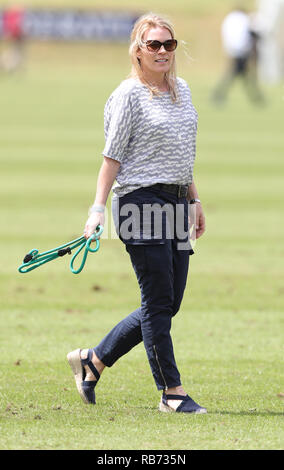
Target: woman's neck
158, 81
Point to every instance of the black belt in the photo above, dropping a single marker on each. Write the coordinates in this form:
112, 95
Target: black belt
178, 190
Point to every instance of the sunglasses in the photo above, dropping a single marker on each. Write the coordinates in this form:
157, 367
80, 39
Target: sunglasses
154, 46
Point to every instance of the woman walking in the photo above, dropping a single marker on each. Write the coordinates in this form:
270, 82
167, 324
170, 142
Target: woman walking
150, 130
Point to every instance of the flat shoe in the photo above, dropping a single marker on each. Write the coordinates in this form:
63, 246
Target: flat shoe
85, 388
180, 404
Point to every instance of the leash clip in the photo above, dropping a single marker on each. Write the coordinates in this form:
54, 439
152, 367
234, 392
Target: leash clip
64, 251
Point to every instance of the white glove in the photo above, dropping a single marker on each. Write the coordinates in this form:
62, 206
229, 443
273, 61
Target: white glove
95, 219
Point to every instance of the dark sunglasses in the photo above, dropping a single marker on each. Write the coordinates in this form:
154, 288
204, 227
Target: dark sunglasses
154, 46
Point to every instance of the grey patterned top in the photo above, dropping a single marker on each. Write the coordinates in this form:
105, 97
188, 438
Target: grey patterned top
153, 139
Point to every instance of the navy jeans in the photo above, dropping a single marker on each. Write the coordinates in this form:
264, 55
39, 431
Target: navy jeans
161, 269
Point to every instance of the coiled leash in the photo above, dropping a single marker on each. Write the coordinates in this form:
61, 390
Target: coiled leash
34, 259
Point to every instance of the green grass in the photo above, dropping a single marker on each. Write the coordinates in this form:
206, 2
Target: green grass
228, 335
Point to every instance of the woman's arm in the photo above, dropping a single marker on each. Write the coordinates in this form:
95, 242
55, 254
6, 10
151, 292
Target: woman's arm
107, 175
192, 192
200, 218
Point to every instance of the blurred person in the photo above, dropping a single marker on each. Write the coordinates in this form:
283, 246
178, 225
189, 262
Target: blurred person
256, 37
150, 130
13, 33
240, 42
269, 20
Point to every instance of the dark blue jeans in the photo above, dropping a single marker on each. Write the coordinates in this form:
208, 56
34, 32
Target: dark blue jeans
161, 269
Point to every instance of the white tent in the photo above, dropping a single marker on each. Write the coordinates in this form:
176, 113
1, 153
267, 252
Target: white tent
269, 21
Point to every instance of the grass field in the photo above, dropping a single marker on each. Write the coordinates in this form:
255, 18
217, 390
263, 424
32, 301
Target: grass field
228, 335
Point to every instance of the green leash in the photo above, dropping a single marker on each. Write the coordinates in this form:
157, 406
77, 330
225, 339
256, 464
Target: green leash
34, 259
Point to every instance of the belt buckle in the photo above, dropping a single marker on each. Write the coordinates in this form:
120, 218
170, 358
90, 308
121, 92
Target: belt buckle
179, 191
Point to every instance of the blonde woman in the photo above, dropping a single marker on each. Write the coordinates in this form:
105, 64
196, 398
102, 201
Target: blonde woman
150, 130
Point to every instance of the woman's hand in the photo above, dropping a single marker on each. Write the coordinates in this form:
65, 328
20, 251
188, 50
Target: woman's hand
95, 219
196, 221
196, 215
200, 220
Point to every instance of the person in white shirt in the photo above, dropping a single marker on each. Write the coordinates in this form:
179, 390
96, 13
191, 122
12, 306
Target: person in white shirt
239, 43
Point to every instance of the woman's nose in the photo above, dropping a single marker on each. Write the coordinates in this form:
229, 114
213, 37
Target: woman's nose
162, 48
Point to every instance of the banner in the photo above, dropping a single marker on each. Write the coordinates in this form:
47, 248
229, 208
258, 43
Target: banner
67, 25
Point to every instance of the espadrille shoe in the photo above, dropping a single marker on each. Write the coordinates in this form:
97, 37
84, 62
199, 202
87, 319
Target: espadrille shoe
85, 388
180, 404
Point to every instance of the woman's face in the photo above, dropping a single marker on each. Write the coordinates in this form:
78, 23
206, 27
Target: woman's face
156, 62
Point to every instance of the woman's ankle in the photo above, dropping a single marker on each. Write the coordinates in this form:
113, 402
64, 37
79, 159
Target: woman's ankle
99, 365
175, 391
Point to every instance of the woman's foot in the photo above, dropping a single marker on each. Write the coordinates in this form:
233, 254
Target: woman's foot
175, 399
85, 373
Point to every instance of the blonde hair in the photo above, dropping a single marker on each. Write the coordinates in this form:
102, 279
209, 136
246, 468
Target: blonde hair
145, 22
